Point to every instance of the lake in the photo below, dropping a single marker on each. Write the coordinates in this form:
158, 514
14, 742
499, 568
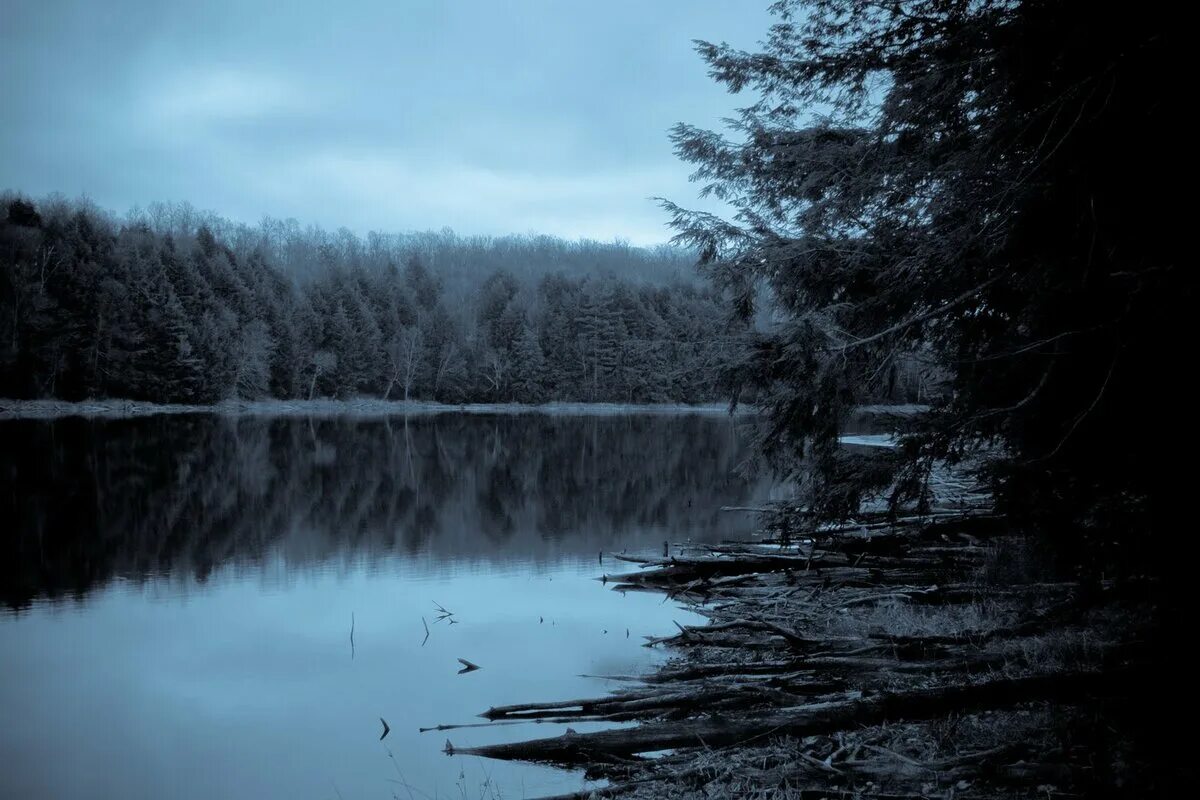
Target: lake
206, 606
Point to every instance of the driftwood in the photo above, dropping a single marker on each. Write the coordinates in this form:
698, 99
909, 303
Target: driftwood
826, 636
684, 699
708, 671
820, 718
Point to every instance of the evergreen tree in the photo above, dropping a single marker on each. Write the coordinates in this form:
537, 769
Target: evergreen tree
422, 286
342, 379
175, 306
529, 366
174, 361
495, 296
982, 184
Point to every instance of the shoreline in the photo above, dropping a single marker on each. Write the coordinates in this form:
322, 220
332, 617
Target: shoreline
925, 656
361, 407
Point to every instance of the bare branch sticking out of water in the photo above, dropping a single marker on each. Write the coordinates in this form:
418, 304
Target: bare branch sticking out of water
443, 614
402, 780
467, 666
351, 635
477, 725
426, 624
386, 729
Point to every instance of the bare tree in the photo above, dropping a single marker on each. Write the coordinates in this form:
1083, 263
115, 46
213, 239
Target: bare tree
495, 372
322, 361
254, 349
449, 367
404, 352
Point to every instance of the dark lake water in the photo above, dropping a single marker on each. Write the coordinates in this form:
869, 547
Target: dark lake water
178, 593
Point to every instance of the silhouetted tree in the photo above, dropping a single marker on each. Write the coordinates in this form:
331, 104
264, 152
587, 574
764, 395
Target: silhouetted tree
979, 183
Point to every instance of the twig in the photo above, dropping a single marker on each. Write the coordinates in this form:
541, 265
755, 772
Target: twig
819, 764
899, 756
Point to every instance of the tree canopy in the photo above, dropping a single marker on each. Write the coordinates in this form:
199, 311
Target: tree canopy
173, 306
980, 185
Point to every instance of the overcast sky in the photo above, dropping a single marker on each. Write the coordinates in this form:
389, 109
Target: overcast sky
486, 116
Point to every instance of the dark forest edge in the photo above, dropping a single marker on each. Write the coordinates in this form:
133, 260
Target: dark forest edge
173, 306
177, 307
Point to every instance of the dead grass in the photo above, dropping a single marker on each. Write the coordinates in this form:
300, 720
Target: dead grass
787, 768
898, 618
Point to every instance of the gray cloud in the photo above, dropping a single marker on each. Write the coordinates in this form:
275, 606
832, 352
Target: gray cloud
488, 117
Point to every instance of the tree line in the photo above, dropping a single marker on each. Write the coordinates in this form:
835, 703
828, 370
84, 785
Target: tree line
175, 306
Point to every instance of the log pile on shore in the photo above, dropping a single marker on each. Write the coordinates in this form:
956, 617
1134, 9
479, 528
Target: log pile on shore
934, 655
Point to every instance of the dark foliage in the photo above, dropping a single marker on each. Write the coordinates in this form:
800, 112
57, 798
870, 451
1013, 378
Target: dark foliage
983, 183
177, 307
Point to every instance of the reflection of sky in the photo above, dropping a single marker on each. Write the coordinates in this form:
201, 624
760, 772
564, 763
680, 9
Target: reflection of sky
246, 687
219, 563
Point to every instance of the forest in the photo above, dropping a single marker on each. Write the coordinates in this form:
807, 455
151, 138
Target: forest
171, 305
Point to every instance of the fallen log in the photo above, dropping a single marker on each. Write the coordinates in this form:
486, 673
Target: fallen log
634, 704
701, 632
676, 576
584, 704
708, 671
808, 720
761, 562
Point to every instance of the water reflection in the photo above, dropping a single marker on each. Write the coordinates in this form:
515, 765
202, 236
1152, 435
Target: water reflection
216, 565
88, 501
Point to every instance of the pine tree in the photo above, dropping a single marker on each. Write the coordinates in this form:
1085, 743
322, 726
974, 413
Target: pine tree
529, 367
983, 183
341, 380
170, 310
181, 370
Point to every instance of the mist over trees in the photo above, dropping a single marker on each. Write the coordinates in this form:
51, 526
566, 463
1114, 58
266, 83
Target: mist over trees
170, 305
979, 183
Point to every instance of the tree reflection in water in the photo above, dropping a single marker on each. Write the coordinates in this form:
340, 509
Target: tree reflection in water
87, 501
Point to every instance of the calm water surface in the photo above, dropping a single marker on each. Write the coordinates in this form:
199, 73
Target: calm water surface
178, 593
